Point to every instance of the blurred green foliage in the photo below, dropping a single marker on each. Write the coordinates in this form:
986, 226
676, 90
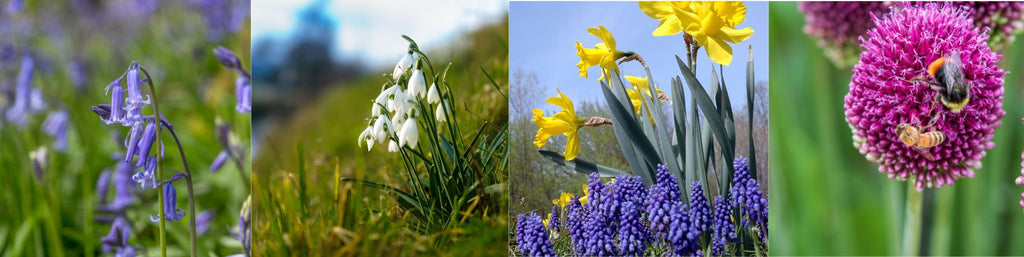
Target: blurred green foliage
301, 207
827, 199
55, 216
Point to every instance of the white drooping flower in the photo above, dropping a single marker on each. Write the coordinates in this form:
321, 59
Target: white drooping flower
417, 84
441, 113
378, 132
392, 146
433, 96
409, 134
382, 99
403, 65
368, 137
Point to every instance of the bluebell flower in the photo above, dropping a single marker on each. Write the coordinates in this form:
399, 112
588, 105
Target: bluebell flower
15, 6
242, 232
700, 212
219, 161
118, 236
531, 236
27, 100
124, 189
146, 176
170, 204
103, 186
78, 72
243, 95
56, 125
132, 140
203, 222
135, 101
145, 145
227, 58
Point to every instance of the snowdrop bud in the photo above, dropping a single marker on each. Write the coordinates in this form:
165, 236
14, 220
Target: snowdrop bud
441, 113
433, 96
409, 133
417, 84
402, 66
392, 146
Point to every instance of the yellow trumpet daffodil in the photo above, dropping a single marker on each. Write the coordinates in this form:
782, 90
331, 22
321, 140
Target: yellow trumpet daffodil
562, 200
603, 54
564, 122
711, 24
665, 12
640, 85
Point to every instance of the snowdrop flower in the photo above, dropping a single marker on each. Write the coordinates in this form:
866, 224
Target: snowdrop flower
402, 66
433, 96
367, 136
392, 146
408, 134
417, 84
442, 112
378, 129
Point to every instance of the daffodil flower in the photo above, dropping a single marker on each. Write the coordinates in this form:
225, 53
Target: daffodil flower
603, 54
640, 85
564, 122
711, 24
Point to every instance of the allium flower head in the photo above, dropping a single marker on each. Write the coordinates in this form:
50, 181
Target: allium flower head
837, 26
884, 93
532, 237
1003, 19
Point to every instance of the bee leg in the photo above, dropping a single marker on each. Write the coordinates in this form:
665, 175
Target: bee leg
924, 152
919, 78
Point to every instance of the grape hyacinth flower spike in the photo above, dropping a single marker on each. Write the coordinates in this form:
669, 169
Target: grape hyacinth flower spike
531, 237
700, 212
886, 91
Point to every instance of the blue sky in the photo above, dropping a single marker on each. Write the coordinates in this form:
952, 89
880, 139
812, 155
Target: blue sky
543, 37
371, 31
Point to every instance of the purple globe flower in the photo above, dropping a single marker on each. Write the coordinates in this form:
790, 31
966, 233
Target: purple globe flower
532, 237
884, 93
700, 211
837, 25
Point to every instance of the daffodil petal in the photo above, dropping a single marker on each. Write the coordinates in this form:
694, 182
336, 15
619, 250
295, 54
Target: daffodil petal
605, 36
719, 51
732, 12
736, 35
656, 9
572, 148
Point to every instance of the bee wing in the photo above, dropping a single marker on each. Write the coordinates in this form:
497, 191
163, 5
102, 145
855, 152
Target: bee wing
924, 152
953, 72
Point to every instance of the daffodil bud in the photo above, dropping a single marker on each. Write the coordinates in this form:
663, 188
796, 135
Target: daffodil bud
433, 96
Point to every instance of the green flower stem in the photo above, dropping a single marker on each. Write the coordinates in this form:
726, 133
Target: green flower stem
188, 177
912, 221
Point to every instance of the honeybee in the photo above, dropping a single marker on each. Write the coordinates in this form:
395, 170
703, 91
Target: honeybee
947, 78
912, 136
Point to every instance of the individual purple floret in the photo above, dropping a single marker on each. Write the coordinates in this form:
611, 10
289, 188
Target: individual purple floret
170, 203
27, 100
219, 161
633, 233
553, 222
575, 215
124, 189
136, 100
56, 125
884, 94
531, 237
203, 222
117, 239
724, 227
700, 212
228, 58
145, 144
243, 95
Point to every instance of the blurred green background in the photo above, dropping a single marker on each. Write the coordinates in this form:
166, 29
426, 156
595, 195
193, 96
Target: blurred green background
827, 199
54, 216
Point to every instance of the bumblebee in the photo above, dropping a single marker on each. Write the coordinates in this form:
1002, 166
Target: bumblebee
947, 78
912, 136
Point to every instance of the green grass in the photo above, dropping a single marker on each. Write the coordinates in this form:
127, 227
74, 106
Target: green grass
828, 200
302, 207
55, 216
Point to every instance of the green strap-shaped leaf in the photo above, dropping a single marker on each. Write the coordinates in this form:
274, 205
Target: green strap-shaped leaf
752, 158
703, 101
583, 166
621, 116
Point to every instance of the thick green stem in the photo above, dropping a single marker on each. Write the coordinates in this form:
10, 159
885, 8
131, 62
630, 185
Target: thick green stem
912, 221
